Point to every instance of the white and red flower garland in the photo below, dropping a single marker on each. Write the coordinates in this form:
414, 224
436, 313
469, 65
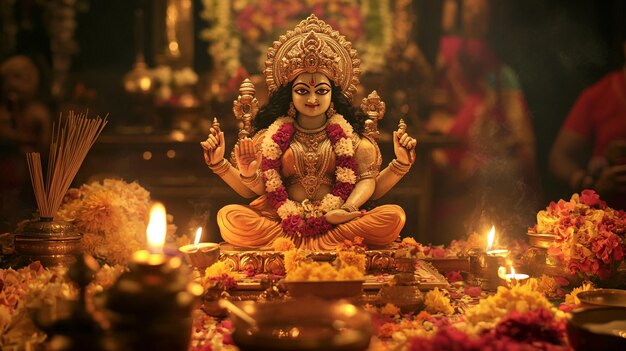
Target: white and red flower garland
306, 218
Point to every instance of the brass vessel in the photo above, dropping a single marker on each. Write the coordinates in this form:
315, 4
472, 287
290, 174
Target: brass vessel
48, 241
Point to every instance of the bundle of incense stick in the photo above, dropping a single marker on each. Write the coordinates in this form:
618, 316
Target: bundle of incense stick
72, 138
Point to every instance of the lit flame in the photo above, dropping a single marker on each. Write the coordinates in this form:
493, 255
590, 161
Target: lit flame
490, 237
145, 83
512, 271
196, 242
157, 227
502, 273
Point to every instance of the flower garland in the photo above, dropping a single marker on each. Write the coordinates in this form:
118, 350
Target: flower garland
306, 218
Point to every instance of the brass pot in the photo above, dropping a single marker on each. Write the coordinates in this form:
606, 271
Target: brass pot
541, 241
50, 242
538, 261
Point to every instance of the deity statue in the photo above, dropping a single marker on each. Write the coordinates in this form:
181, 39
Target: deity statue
310, 156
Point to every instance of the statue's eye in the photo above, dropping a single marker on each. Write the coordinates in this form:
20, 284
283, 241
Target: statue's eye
301, 91
322, 91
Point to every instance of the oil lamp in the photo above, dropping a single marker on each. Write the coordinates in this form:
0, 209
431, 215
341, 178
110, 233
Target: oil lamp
150, 305
489, 262
511, 279
200, 255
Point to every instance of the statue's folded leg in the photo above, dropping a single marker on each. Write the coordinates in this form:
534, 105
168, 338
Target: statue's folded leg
379, 227
244, 226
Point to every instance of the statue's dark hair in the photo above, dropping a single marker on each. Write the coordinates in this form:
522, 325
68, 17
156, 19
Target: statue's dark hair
278, 105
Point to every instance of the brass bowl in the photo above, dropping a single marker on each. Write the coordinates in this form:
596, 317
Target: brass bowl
603, 297
325, 289
310, 324
542, 241
602, 328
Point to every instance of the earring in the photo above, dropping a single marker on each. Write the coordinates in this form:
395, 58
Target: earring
331, 110
292, 111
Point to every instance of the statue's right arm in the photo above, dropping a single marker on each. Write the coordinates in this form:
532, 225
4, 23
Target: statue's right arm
213, 149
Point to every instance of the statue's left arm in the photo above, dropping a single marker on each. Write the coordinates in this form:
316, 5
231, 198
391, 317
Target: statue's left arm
404, 149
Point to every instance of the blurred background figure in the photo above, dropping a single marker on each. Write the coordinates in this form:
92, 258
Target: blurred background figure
477, 99
24, 127
590, 149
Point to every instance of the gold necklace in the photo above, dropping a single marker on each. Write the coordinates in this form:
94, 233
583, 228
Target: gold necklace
308, 148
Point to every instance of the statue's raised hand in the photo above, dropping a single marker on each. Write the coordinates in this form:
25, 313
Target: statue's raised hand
248, 157
213, 146
404, 145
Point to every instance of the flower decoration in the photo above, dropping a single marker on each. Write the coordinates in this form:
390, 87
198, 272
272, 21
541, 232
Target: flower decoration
589, 235
238, 31
112, 216
351, 259
532, 330
409, 248
30, 288
294, 258
549, 286
306, 218
219, 276
437, 302
322, 271
493, 309
171, 84
283, 244
572, 297
352, 253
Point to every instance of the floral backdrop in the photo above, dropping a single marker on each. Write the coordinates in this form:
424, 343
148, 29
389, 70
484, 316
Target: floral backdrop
240, 31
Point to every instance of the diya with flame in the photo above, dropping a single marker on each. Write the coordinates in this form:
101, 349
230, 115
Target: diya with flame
484, 265
200, 255
150, 306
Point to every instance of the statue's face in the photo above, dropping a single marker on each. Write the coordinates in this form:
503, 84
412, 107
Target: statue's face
311, 94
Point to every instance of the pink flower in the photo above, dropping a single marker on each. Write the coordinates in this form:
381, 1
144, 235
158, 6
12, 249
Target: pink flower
591, 199
454, 276
605, 246
448, 338
277, 197
335, 132
315, 226
343, 190
291, 224
438, 252
473, 291
226, 281
283, 136
530, 327
270, 164
347, 162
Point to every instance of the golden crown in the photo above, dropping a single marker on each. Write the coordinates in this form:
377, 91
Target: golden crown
312, 46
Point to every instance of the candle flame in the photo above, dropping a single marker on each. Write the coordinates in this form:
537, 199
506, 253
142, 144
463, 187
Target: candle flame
512, 271
490, 237
157, 228
196, 242
502, 273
